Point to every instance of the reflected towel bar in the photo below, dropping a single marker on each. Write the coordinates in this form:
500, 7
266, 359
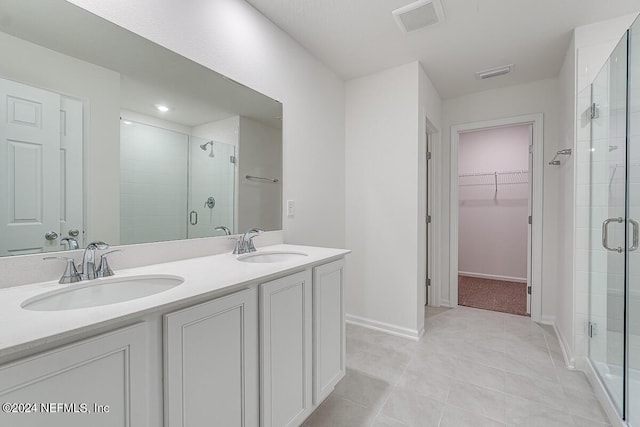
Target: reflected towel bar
262, 179
565, 152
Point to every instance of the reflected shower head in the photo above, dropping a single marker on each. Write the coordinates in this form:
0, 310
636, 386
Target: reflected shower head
204, 148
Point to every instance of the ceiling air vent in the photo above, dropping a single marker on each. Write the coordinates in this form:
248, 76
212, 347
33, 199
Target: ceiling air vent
494, 72
419, 14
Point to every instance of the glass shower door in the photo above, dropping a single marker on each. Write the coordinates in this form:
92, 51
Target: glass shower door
607, 242
633, 209
212, 176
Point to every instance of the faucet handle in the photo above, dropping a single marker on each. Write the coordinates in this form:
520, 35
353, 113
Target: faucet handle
237, 249
104, 270
70, 274
249, 238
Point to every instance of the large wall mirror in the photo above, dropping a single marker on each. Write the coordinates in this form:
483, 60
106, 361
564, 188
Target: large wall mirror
105, 135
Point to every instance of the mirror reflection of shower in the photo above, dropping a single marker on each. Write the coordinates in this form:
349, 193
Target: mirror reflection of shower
204, 148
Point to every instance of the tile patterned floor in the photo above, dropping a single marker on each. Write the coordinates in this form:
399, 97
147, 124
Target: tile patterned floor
472, 368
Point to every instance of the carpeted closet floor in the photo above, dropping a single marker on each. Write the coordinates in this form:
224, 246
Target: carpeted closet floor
495, 295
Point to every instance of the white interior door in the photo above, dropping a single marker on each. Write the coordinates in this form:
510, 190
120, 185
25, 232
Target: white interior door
71, 191
30, 169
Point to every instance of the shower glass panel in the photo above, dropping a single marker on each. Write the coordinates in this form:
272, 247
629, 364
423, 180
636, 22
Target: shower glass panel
633, 209
153, 179
608, 218
211, 187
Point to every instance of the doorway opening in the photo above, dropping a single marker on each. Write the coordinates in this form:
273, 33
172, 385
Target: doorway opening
493, 212
496, 215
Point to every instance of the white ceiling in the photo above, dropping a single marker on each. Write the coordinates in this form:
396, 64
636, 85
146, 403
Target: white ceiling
360, 37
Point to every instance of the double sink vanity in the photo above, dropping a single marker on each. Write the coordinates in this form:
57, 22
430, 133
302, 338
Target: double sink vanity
223, 340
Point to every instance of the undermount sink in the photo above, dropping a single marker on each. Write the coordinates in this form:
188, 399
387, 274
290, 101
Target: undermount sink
270, 257
99, 292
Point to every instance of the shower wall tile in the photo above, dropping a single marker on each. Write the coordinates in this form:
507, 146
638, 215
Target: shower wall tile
152, 184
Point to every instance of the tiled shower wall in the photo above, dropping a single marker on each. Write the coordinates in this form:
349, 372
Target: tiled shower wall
153, 179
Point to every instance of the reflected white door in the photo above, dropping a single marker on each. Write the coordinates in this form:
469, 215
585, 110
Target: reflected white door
71, 192
29, 169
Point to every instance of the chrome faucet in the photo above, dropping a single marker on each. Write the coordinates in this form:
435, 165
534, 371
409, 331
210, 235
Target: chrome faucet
223, 228
244, 243
89, 260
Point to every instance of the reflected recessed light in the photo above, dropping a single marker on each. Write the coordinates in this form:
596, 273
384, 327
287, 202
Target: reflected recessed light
126, 122
162, 108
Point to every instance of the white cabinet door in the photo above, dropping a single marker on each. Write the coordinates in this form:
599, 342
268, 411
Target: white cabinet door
98, 382
285, 326
29, 168
211, 363
328, 329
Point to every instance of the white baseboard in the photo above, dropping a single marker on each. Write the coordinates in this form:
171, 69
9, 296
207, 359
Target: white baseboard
548, 319
492, 276
567, 354
445, 303
388, 328
602, 395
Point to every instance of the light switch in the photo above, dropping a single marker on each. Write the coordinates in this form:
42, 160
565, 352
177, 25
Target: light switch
291, 208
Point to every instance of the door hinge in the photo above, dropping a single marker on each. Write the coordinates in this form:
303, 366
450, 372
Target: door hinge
428, 219
592, 329
530, 220
529, 290
594, 112
233, 159
530, 148
428, 282
428, 155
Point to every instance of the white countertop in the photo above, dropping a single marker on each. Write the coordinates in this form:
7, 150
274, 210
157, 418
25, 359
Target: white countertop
206, 276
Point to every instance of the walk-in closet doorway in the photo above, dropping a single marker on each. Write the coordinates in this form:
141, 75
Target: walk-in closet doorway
496, 215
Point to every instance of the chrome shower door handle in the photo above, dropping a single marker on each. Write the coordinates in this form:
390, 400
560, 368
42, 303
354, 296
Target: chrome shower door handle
636, 235
605, 234
193, 217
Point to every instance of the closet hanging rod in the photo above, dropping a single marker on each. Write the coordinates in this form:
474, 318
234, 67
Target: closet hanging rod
259, 178
462, 175
563, 152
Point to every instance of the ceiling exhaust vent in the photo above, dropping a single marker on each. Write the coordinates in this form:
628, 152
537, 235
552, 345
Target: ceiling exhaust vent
494, 72
418, 15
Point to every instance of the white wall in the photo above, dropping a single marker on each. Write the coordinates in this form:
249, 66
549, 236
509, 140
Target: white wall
260, 154
234, 39
225, 130
385, 136
492, 224
566, 197
531, 98
99, 89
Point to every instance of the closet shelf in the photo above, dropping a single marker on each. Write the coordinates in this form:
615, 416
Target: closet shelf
494, 179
